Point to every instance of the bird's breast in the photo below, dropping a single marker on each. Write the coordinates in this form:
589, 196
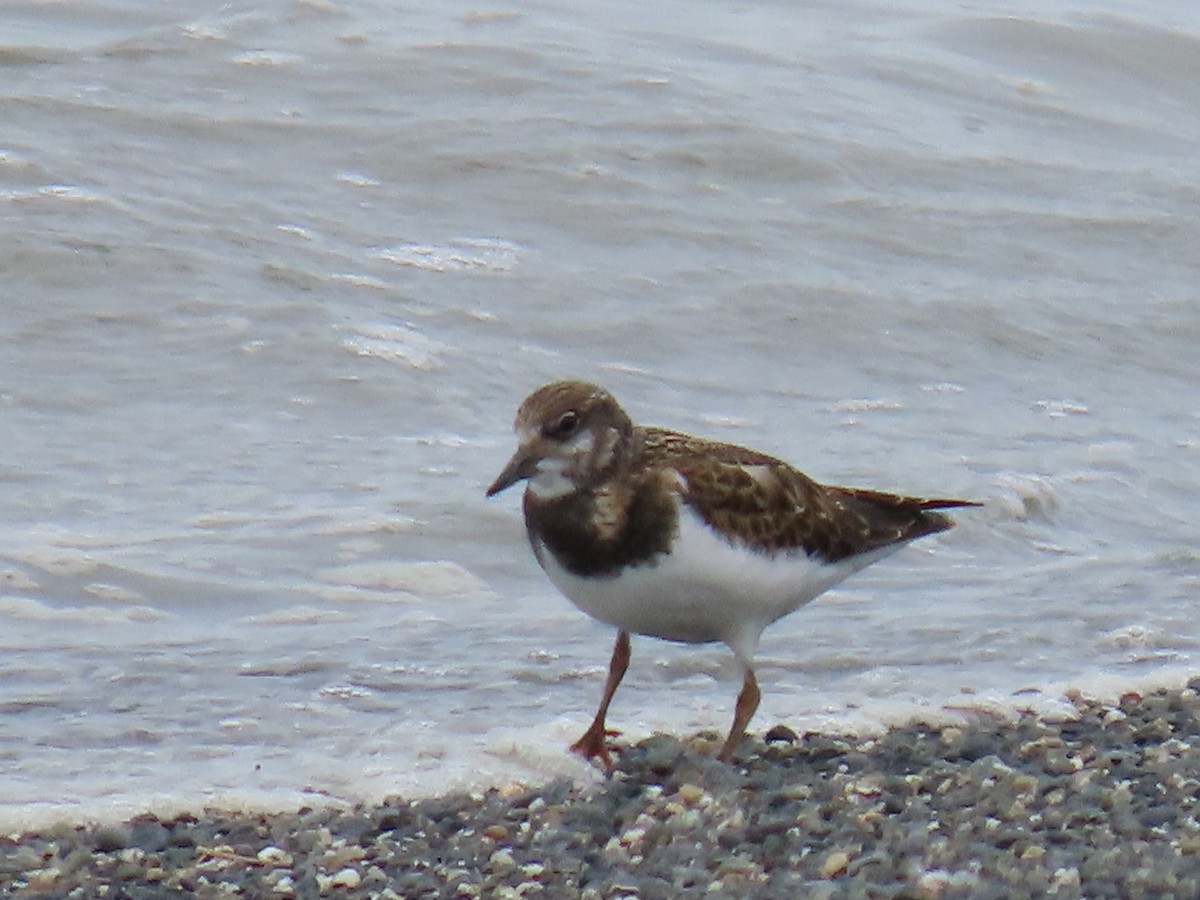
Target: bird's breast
701, 588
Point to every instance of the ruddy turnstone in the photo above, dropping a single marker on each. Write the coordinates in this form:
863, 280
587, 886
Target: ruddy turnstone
661, 533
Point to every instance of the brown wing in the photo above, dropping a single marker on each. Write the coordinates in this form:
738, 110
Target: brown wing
761, 501
875, 519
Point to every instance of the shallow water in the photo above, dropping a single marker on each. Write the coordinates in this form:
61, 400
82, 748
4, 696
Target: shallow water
276, 275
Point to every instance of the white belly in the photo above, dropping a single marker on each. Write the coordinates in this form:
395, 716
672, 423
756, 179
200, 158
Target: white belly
705, 589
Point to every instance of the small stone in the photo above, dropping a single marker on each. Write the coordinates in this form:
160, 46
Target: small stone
735, 865
950, 734
1066, 878
133, 855
1189, 845
690, 793
274, 856
781, 734
340, 857
834, 863
501, 861
496, 832
794, 791
347, 878
632, 837
390, 818
110, 838
42, 879
374, 876
149, 835
662, 754
1025, 784
1061, 764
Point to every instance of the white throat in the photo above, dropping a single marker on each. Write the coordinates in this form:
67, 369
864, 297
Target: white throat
553, 476
550, 480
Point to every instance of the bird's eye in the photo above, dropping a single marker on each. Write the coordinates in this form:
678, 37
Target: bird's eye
564, 425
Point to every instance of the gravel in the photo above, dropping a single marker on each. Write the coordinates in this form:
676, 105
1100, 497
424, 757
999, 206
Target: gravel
1106, 805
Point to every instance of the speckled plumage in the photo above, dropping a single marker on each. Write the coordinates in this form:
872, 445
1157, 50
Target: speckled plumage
770, 507
662, 533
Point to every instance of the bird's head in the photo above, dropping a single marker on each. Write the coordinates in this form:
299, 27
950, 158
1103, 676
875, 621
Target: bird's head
571, 436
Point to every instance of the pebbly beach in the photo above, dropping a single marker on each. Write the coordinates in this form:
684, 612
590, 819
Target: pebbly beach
1104, 804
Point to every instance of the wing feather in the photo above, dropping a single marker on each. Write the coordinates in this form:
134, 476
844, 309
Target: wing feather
764, 503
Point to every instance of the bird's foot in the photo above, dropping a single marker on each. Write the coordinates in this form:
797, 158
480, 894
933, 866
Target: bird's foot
594, 744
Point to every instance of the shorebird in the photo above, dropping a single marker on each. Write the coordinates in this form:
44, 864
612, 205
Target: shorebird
660, 533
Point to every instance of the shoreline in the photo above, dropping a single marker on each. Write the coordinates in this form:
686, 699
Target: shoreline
1103, 805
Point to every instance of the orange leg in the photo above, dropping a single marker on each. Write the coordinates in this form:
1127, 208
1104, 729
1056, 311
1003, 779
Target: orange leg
595, 740
747, 703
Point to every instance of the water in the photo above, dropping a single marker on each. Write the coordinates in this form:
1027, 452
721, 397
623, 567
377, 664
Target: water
276, 275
